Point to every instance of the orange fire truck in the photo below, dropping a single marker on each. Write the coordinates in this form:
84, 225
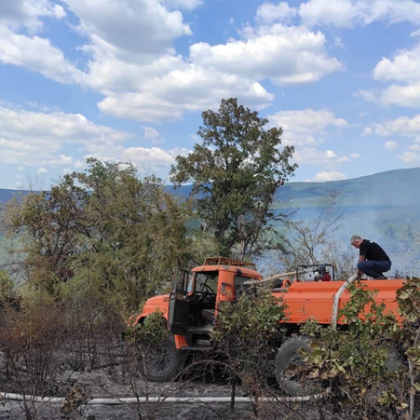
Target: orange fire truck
311, 292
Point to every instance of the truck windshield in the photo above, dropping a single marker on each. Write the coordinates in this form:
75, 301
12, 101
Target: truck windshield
206, 282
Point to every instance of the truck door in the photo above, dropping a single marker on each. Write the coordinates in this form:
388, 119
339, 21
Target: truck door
179, 302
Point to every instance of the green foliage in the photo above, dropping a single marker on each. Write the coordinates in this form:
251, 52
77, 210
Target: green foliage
355, 356
7, 292
364, 362
246, 334
408, 298
104, 230
51, 223
29, 337
251, 324
151, 333
236, 171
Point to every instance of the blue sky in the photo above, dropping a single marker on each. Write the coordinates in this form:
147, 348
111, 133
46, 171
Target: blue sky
127, 80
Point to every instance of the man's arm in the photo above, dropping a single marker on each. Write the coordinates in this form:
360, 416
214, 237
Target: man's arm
361, 258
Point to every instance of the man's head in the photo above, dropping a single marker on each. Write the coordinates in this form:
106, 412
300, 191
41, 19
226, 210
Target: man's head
356, 240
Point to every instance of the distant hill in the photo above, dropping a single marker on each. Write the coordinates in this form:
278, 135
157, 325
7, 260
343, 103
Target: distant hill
7, 195
384, 207
399, 187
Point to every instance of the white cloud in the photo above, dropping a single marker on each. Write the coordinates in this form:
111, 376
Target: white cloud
339, 13
391, 145
131, 58
160, 86
410, 158
348, 13
344, 13
367, 95
284, 54
15, 145
367, 131
338, 42
415, 33
402, 126
155, 159
30, 51
18, 13
153, 135
414, 147
144, 156
183, 4
33, 138
171, 86
129, 29
326, 176
404, 69
21, 168
38, 139
406, 96
110, 75
268, 12
306, 127
133, 63
22, 124
321, 158
123, 35
354, 155
36, 54
61, 160
59, 12
150, 133
196, 89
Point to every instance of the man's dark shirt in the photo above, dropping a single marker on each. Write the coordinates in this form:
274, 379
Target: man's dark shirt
372, 251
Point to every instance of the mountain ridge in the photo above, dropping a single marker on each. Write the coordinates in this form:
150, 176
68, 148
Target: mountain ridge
397, 187
383, 207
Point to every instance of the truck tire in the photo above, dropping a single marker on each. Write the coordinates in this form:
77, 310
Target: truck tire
165, 363
288, 357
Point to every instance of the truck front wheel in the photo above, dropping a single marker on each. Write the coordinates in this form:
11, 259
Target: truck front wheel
288, 362
163, 364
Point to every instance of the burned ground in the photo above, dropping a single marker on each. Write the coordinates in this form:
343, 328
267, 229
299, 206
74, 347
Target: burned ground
112, 376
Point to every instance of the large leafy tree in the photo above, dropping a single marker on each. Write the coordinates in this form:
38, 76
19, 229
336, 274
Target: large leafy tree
103, 229
236, 172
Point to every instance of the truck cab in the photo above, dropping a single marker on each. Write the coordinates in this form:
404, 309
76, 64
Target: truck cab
191, 307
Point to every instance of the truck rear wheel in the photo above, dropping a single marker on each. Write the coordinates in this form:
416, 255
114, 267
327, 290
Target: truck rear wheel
287, 363
163, 364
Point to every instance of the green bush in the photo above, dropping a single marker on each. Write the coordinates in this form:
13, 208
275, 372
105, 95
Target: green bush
7, 292
151, 333
372, 364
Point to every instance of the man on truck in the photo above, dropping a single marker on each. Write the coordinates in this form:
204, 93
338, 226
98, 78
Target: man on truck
373, 260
